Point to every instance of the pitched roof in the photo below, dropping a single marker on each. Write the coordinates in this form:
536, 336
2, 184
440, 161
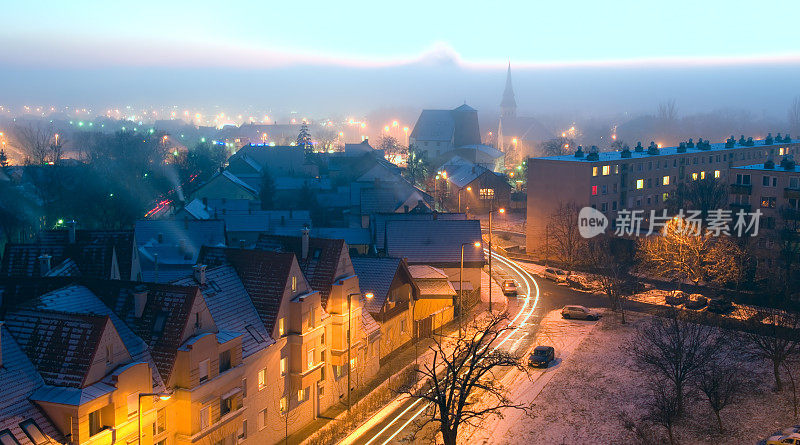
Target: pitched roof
436, 242
462, 174
180, 244
93, 260
321, 265
459, 126
122, 240
376, 275
163, 320
60, 345
431, 281
263, 274
231, 307
378, 222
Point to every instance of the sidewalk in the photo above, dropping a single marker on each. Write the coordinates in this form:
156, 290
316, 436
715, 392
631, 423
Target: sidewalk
396, 362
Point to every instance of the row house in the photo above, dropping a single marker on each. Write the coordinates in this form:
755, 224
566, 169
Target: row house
638, 179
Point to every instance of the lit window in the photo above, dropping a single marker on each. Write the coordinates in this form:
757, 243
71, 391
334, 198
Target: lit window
639, 184
606, 170
487, 193
262, 379
594, 190
95, 423
716, 173
594, 171
694, 176
310, 358
281, 328
302, 395
294, 283
702, 175
665, 180
284, 404
665, 196
283, 366
781, 151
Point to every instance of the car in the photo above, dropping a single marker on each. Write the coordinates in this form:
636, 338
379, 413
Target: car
719, 306
542, 356
578, 313
784, 439
553, 274
509, 287
675, 298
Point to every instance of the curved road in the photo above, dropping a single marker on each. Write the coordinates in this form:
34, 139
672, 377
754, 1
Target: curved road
396, 425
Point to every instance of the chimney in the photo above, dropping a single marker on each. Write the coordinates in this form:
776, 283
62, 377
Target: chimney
139, 300
44, 264
72, 237
200, 274
305, 243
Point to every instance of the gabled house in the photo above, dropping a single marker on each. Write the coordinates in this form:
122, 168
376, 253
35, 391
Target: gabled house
42, 260
474, 186
123, 241
168, 248
393, 303
436, 301
228, 186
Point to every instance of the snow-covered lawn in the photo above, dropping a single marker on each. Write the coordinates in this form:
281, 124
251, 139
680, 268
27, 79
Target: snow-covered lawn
596, 388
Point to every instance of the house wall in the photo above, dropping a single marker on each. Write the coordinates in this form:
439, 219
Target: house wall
221, 187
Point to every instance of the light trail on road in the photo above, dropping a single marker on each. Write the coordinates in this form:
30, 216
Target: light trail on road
526, 280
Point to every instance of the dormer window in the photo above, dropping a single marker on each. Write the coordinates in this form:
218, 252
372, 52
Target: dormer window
294, 283
109, 353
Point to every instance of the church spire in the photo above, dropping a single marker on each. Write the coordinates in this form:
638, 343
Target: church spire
508, 106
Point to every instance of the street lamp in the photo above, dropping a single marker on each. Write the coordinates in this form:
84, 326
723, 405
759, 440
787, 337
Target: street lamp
469, 189
461, 285
491, 210
369, 296
160, 395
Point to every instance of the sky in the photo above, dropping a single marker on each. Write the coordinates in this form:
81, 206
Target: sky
281, 54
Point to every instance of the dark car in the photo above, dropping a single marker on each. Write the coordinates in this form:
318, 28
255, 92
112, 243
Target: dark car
509, 287
542, 356
719, 306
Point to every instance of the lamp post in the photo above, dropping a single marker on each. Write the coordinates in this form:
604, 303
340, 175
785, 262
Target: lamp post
369, 296
160, 395
469, 189
461, 286
491, 210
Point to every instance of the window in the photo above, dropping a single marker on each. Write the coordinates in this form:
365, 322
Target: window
606, 170
310, 319
225, 361
204, 419
616, 169
765, 181
402, 326
338, 371
281, 327
487, 194
294, 283
225, 406
262, 418
161, 421
284, 404
664, 197
613, 205
262, 379
694, 176
203, 370
639, 184
665, 180
6, 438
133, 403
604, 189
594, 190
703, 175
283, 366
244, 387
594, 171
743, 179
242, 431
302, 395
768, 202
716, 173
310, 358
33, 432
95, 423
604, 207
109, 353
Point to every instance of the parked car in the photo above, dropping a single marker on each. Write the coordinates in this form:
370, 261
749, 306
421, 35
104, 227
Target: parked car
675, 298
542, 356
696, 302
579, 313
577, 282
720, 306
553, 274
509, 287
790, 439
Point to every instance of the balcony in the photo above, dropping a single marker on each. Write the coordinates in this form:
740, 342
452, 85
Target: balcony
790, 192
741, 189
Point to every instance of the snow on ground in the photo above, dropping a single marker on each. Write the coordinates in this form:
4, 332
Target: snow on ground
497, 291
595, 387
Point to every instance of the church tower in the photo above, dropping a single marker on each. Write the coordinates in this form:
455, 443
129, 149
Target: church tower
508, 107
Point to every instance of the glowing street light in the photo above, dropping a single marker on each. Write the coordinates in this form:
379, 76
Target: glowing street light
161, 396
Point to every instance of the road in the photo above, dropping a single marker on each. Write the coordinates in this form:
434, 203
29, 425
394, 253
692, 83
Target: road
398, 424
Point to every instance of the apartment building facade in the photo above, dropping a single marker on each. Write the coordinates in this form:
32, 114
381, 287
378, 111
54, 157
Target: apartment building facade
633, 179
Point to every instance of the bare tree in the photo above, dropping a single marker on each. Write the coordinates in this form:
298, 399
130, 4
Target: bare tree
565, 240
34, 141
721, 383
557, 146
463, 385
703, 194
794, 116
681, 253
774, 335
665, 407
612, 271
674, 349
668, 111
788, 250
